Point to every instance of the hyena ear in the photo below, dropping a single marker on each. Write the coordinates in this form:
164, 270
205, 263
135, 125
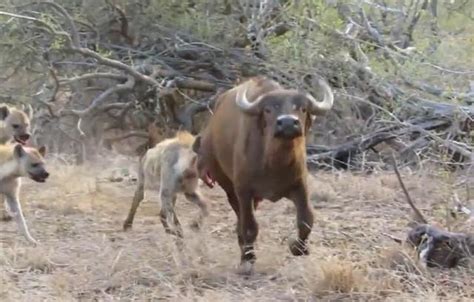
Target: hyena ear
42, 150
196, 145
29, 111
18, 152
4, 112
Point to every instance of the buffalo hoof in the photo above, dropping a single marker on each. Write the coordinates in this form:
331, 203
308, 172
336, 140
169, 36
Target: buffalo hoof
298, 248
246, 268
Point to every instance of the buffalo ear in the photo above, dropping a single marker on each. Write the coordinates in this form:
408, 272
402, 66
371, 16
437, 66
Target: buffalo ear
4, 112
18, 151
308, 122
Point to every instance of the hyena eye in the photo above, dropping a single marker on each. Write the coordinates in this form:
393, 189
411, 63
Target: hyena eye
35, 165
15, 126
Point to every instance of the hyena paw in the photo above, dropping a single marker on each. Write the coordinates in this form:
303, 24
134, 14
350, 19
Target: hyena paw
195, 225
6, 217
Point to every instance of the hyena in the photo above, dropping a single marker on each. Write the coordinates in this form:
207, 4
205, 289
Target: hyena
18, 161
14, 124
172, 164
14, 127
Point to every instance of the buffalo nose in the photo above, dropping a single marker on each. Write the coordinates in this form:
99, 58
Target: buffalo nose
288, 126
288, 121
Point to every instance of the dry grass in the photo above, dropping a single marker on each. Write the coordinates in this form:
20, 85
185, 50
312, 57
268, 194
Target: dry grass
85, 256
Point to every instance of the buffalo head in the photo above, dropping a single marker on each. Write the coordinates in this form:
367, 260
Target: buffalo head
286, 113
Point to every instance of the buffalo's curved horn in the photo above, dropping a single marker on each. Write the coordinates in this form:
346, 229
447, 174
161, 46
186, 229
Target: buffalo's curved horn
245, 105
318, 108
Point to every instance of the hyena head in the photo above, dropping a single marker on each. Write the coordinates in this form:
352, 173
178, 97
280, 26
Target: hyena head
31, 162
17, 123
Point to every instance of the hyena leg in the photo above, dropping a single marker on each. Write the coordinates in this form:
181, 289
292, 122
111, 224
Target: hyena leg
196, 198
6, 212
167, 213
15, 208
137, 198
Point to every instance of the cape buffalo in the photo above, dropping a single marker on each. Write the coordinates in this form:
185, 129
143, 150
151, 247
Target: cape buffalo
254, 148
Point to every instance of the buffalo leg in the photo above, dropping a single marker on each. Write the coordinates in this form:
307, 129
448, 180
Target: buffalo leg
234, 203
228, 188
304, 220
248, 228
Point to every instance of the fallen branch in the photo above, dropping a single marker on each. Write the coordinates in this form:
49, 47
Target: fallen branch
128, 85
191, 84
436, 91
133, 133
92, 76
439, 248
420, 218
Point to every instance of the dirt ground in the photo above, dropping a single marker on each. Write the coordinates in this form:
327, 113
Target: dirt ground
85, 256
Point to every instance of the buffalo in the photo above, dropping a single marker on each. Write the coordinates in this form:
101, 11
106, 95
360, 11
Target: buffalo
254, 147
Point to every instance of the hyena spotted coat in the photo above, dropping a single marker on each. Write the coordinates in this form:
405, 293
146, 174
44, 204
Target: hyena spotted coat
17, 161
171, 164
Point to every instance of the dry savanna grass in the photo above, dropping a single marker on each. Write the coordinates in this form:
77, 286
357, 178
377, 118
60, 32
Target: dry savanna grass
85, 256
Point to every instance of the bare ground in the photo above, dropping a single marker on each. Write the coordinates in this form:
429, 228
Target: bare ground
85, 256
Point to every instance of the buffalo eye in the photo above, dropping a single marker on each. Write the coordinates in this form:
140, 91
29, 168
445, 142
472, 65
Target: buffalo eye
15, 126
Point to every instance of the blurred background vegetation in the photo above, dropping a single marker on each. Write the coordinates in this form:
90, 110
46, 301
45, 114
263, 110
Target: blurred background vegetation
402, 70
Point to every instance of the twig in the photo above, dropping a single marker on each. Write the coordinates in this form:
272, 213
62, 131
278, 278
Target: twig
124, 26
53, 74
79, 128
396, 239
69, 20
101, 98
407, 195
132, 133
48, 27
90, 76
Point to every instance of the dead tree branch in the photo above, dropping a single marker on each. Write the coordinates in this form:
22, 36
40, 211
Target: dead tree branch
127, 86
419, 217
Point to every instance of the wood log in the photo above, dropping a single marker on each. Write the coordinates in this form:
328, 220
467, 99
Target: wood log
434, 117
